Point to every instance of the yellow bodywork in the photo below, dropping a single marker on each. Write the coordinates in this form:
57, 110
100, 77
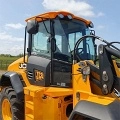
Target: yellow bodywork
83, 87
43, 103
48, 103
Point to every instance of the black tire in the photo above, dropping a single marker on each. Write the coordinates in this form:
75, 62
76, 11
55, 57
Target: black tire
16, 107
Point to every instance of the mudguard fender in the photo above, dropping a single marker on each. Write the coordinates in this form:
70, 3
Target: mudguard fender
96, 111
13, 79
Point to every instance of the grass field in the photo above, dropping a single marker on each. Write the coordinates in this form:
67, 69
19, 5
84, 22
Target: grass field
6, 60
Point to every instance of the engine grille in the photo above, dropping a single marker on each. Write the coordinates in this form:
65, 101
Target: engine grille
30, 75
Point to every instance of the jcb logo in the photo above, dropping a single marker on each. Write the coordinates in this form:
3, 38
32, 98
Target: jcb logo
39, 75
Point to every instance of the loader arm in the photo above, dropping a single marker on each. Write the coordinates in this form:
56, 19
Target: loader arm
109, 80
101, 102
107, 71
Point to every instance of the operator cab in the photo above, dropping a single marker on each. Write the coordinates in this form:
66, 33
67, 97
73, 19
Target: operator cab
52, 38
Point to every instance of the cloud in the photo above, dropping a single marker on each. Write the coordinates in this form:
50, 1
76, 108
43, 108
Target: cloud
7, 37
10, 44
14, 26
80, 7
100, 14
15, 50
11, 49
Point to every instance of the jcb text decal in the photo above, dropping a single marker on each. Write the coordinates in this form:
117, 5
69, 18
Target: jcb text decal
22, 66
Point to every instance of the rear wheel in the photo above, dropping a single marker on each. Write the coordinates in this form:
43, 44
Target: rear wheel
10, 107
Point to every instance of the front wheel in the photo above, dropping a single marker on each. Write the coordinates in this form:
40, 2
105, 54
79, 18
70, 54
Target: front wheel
10, 107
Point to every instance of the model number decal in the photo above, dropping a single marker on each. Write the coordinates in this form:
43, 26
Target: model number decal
22, 66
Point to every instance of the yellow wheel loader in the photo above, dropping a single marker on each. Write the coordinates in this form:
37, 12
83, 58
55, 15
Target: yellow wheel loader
62, 77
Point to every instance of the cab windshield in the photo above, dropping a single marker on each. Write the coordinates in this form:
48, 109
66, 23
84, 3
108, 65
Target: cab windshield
67, 32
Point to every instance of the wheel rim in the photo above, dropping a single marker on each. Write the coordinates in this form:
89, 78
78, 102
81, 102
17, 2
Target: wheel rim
6, 110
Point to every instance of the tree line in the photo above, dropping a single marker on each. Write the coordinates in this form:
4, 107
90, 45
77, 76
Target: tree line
9, 55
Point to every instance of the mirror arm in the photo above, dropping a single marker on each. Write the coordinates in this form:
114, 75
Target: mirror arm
43, 23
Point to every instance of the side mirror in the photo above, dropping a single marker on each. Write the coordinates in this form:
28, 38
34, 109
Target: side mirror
32, 26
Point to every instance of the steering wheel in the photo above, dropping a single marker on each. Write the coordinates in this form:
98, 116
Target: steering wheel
79, 52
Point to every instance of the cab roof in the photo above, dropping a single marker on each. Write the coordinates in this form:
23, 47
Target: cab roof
52, 15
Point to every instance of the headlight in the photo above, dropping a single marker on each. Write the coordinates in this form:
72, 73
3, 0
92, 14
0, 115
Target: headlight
69, 16
61, 16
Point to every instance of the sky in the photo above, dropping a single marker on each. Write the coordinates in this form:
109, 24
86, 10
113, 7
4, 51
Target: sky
103, 13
